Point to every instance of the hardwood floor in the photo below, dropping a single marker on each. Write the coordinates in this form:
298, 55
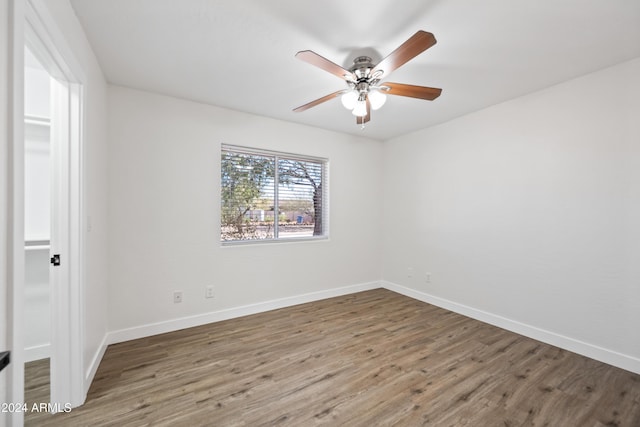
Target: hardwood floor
367, 359
36, 388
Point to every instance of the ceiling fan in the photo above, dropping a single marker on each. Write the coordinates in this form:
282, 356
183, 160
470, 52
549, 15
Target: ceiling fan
365, 92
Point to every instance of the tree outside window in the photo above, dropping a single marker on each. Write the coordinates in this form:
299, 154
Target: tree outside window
271, 196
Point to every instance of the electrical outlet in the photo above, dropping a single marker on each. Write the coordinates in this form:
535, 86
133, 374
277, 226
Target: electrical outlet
427, 277
410, 272
177, 297
209, 292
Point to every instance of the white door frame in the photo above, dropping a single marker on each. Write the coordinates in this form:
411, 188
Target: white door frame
5, 133
33, 25
15, 208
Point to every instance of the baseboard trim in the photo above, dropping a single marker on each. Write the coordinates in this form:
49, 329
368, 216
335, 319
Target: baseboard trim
93, 366
601, 354
37, 352
231, 313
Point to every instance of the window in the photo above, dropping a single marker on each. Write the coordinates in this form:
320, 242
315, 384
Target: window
268, 196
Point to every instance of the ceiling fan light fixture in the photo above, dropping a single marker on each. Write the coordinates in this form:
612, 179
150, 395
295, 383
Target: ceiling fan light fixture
377, 99
360, 109
365, 92
349, 99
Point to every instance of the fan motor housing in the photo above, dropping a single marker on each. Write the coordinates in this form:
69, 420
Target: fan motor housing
362, 66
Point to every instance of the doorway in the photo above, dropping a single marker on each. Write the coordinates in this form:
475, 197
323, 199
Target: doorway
50, 204
37, 230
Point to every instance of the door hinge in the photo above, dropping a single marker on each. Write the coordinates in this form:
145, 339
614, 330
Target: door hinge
55, 260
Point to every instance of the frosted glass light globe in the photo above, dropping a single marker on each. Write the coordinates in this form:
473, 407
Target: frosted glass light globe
377, 99
360, 109
349, 99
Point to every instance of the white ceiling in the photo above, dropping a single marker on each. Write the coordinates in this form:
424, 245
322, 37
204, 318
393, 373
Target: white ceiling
239, 54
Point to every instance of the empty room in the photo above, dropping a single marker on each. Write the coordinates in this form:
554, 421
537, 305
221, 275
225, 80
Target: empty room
228, 213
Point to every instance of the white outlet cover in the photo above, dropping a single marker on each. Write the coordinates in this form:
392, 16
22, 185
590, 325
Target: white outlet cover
209, 292
177, 297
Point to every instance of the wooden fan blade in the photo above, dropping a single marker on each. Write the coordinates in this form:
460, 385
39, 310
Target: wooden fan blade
321, 62
416, 44
318, 101
420, 92
365, 119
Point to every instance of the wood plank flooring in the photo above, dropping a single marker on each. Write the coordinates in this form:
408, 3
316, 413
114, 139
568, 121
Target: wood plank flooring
374, 358
36, 388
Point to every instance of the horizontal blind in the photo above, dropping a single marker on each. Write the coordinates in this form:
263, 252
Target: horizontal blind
247, 189
254, 207
300, 198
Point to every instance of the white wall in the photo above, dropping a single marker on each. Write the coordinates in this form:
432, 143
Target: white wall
37, 299
95, 182
164, 220
37, 304
528, 211
37, 87
37, 201
37, 212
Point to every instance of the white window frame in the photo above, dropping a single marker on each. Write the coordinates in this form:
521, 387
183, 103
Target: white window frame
288, 156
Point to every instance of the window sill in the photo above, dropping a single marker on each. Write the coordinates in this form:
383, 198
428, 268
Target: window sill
260, 242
